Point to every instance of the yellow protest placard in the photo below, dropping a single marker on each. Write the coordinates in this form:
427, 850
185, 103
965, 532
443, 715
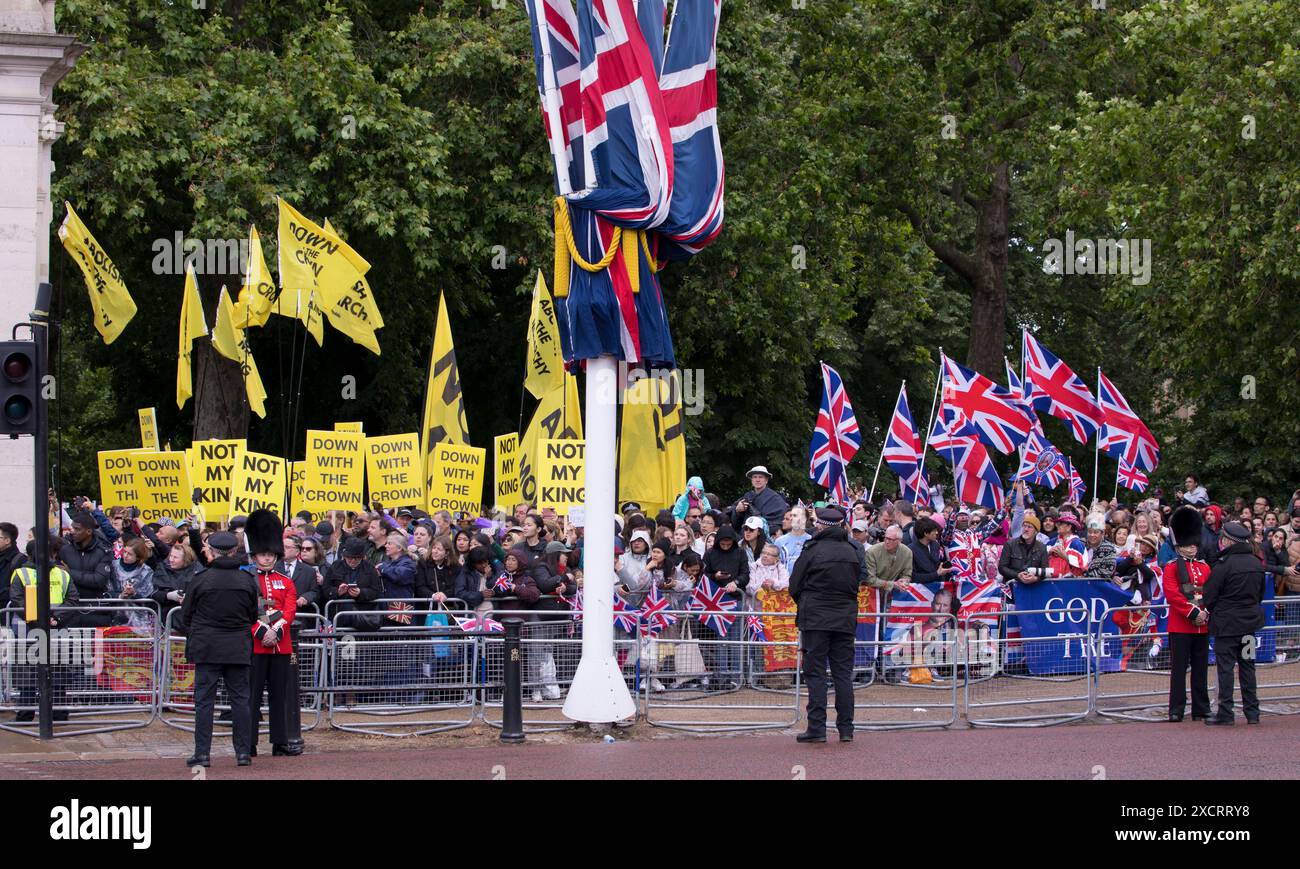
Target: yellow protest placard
561, 474
505, 451
297, 476
347, 426
213, 468
258, 484
335, 477
457, 478
117, 487
148, 428
163, 483
393, 470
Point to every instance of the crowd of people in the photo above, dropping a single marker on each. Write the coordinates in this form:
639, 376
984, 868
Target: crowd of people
530, 562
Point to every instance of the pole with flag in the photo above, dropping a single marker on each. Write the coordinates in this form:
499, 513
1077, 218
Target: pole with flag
1096, 454
884, 442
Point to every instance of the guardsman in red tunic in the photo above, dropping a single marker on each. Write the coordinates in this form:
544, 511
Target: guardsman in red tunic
1189, 632
272, 644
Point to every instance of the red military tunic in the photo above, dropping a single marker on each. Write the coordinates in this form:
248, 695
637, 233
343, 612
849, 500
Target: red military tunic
281, 595
1181, 610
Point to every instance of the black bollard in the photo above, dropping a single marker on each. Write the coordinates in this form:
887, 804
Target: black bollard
512, 702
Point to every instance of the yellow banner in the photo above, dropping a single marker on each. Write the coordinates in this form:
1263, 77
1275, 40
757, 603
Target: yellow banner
444, 406
193, 325
109, 298
545, 368
257, 295
505, 450
561, 474
258, 484
117, 486
393, 470
652, 448
232, 342
348, 301
335, 477
163, 482
212, 470
457, 479
558, 415
297, 477
148, 428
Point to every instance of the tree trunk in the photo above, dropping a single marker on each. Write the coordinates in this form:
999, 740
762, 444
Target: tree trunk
220, 408
988, 317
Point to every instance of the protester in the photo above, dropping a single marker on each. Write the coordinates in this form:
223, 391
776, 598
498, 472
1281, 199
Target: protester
437, 572
90, 564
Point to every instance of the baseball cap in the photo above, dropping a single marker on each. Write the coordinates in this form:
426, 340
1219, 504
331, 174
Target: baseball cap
861, 525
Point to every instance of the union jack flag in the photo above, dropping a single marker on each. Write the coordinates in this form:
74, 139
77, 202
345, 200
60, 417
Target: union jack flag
654, 613
1131, 478
836, 437
1020, 395
713, 605
976, 478
981, 599
1059, 391
575, 604
1077, 488
1123, 435
1041, 463
555, 55
503, 584
908, 606
993, 411
475, 624
625, 618
757, 630
904, 454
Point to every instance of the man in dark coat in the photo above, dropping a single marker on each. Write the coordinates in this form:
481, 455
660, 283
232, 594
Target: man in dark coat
356, 584
1233, 596
763, 501
217, 616
90, 564
825, 590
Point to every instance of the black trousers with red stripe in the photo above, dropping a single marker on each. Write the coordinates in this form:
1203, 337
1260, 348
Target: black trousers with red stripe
271, 672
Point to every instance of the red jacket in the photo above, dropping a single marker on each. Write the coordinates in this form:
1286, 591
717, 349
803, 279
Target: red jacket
1181, 610
281, 595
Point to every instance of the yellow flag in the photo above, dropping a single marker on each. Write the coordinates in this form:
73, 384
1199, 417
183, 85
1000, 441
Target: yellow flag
109, 298
193, 325
558, 416
315, 260
545, 369
305, 306
444, 405
257, 295
232, 343
673, 457
652, 448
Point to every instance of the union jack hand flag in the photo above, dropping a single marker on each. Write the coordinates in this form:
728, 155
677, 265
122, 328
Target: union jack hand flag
1041, 463
993, 411
1059, 391
836, 437
1123, 435
903, 453
625, 618
503, 584
1077, 488
654, 613
473, 624
757, 630
1132, 478
713, 605
575, 604
976, 478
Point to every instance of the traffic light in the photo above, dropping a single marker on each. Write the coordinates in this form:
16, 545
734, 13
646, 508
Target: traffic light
19, 390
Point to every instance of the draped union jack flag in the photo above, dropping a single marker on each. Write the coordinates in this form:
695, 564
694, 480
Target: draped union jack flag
904, 454
1132, 478
980, 597
654, 613
992, 410
713, 605
1123, 435
976, 478
1059, 391
836, 437
558, 85
908, 606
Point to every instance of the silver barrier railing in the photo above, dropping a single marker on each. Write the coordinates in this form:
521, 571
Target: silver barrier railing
1278, 680
104, 677
1039, 698
920, 670
702, 674
402, 679
1138, 689
176, 695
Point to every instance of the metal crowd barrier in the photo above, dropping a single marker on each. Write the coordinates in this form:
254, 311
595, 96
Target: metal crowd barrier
1022, 699
176, 697
708, 679
920, 669
104, 674
1278, 681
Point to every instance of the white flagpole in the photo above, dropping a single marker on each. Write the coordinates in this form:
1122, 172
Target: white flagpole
880, 461
1096, 456
934, 405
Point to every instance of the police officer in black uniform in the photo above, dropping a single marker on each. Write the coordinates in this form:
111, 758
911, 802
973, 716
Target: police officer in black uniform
825, 590
1233, 595
217, 617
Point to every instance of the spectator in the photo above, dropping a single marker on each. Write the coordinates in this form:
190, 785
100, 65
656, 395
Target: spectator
1024, 559
437, 572
1293, 528
692, 498
762, 501
398, 568
905, 512
328, 545
792, 544
753, 539
1068, 556
555, 582
860, 533
1213, 522
534, 535
635, 567
11, 557
302, 574
1099, 553
462, 543
726, 566
356, 584
90, 564
474, 582
1193, 492
1277, 561
375, 546
766, 573
928, 563
889, 564
170, 580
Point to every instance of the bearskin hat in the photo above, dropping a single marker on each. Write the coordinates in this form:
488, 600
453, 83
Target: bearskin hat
264, 533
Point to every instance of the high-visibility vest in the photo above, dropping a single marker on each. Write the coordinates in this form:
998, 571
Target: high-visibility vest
59, 580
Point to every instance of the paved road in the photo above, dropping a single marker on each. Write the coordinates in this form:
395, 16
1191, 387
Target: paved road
1117, 751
